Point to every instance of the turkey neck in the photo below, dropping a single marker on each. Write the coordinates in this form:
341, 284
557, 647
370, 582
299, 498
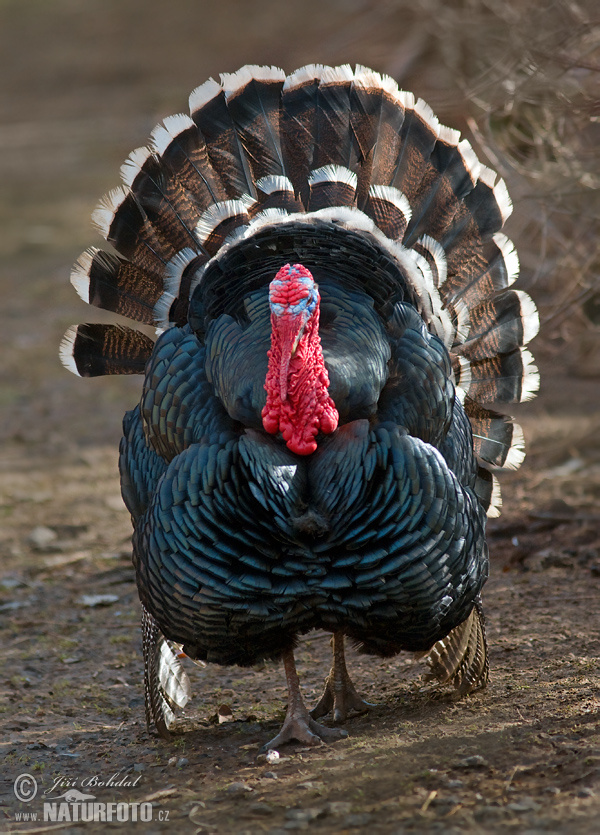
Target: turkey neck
298, 402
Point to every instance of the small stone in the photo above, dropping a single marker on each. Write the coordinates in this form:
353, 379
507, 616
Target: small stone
353, 821
552, 790
238, 788
303, 815
92, 600
259, 808
455, 784
182, 761
270, 775
72, 659
525, 805
42, 537
10, 582
139, 767
14, 605
445, 801
172, 761
485, 814
476, 761
338, 807
585, 792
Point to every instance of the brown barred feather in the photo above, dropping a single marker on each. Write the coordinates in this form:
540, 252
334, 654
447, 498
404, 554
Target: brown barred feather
482, 277
111, 283
298, 118
493, 433
497, 327
131, 232
468, 241
331, 192
376, 118
186, 158
387, 214
165, 203
460, 659
498, 378
447, 179
224, 146
334, 139
255, 108
94, 350
275, 193
166, 684
418, 136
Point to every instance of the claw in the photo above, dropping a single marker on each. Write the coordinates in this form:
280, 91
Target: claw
306, 731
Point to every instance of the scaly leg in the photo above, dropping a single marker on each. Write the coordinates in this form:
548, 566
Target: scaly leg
340, 695
298, 724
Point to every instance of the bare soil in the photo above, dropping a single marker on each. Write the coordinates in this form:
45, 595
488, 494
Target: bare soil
87, 83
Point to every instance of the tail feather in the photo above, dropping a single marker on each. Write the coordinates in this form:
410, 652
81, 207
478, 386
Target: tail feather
331, 185
183, 151
253, 100
166, 684
123, 223
493, 267
418, 135
160, 195
497, 440
460, 659
95, 350
449, 175
481, 215
390, 210
334, 139
210, 113
506, 378
298, 120
104, 280
376, 117
276, 193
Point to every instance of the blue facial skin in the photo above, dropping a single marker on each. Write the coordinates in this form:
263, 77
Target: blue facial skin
305, 306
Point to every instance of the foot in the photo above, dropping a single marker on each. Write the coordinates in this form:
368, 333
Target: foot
340, 699
297, 724
340, 696
304, 730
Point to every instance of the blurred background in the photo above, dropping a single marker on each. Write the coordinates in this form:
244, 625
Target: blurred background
84, 81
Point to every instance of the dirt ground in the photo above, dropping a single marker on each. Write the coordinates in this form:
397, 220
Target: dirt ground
87, 81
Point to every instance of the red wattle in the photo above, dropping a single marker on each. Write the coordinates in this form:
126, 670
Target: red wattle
302, 407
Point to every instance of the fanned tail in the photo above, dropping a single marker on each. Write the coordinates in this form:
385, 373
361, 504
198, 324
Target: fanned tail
166, 684
262, 151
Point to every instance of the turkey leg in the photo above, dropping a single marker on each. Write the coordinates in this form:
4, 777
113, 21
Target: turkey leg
298, 724
340, 695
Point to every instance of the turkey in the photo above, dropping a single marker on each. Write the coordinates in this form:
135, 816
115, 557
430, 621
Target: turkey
315, 443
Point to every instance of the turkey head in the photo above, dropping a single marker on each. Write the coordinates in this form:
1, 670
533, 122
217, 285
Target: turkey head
298, 403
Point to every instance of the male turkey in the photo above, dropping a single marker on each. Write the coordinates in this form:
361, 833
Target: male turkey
323, 263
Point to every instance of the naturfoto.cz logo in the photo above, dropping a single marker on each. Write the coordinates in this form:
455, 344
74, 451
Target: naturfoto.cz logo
75, 806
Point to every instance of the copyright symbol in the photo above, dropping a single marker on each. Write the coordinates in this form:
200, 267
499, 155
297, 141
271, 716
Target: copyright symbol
25, 788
